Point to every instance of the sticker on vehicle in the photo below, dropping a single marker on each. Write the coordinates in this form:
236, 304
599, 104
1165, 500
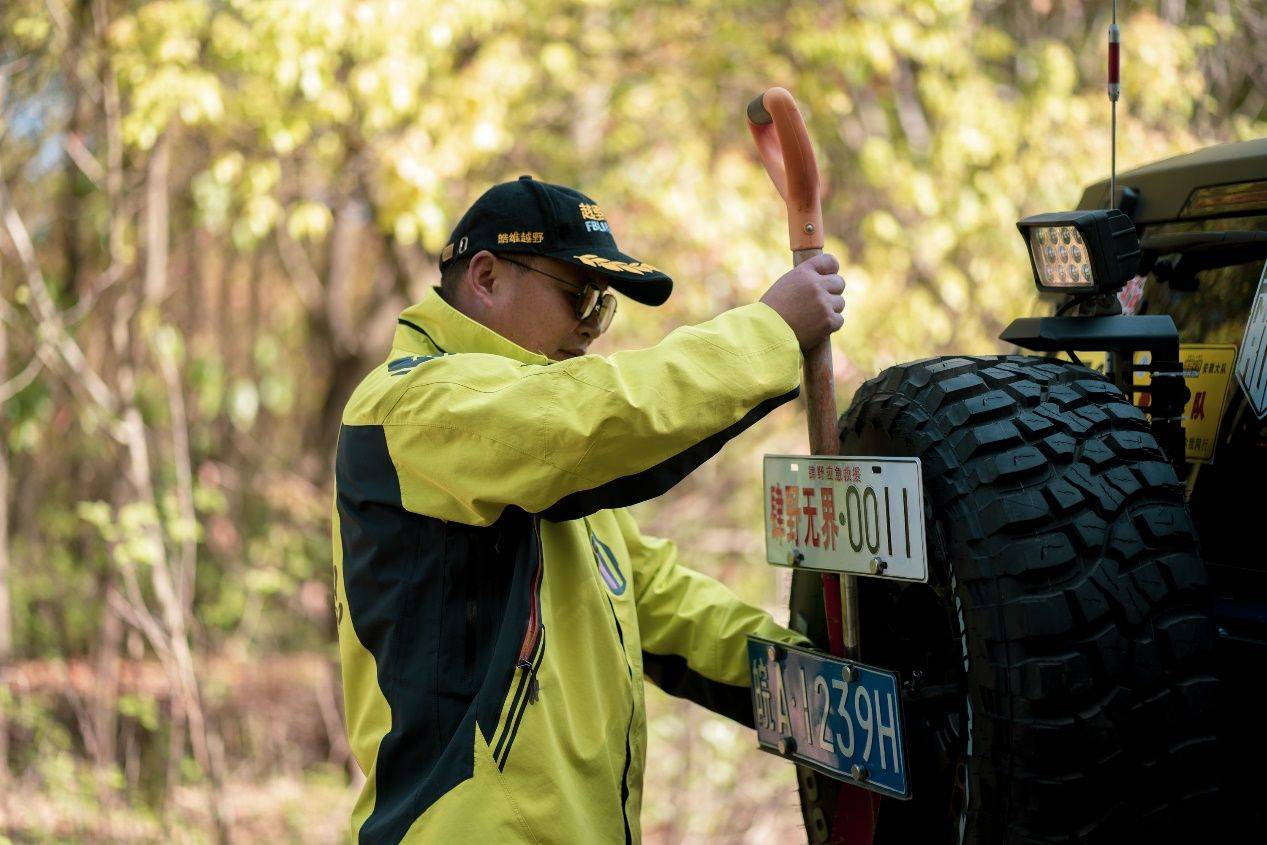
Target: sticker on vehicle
1207, 372
1251, 369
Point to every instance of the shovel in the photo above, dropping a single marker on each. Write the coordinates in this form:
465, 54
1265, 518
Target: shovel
783, 142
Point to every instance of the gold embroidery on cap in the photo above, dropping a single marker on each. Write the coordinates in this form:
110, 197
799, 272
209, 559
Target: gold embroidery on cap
520, 237
591, 211
635, 267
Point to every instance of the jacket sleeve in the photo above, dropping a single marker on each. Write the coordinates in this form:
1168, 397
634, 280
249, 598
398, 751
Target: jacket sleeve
471, 434
694, 629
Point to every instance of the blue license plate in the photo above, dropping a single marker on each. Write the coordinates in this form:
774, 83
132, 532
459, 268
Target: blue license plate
837, 716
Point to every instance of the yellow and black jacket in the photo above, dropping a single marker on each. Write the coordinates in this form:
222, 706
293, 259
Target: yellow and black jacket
497, 606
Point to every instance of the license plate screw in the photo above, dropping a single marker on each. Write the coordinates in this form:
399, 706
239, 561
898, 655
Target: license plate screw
787, 746
849, 673
858, 772
798, 556
774, 653
878, 566
841, 518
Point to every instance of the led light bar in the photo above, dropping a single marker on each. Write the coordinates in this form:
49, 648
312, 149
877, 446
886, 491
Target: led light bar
1081, 251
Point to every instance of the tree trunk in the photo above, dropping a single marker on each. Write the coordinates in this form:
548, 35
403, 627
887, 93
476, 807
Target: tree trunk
6, 633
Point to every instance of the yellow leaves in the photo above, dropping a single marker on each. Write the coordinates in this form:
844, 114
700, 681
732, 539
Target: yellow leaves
157, 96
179, 528
559, 60
976, 146
212, 199
334, 106
440, 35
434, 226
877, 52
929, 137
97, 514
1057, 73
412, 168
364, 14
227, 168
257, 220
952, 287
229, 36
177, 50
365, 80
168, 343
882, 226
405, 229
31, 31
388, 89
876, 160
202, 102
284, 139
485, 136
993, 44
244, 404
214, 195
839, 102
133, 531
308, 220
262, 176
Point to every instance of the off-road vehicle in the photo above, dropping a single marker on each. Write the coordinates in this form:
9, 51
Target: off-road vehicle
1094, 605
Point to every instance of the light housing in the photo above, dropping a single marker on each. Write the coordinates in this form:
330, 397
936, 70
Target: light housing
1081, 251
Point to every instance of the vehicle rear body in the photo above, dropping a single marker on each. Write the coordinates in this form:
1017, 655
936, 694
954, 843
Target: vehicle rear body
1220, 189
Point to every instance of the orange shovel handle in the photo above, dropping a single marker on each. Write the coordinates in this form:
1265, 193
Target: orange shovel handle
783, 142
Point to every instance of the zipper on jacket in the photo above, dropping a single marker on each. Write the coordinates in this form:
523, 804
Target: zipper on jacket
519, 705
533, 631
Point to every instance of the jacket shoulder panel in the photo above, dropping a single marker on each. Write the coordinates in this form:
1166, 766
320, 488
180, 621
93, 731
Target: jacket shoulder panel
383, 386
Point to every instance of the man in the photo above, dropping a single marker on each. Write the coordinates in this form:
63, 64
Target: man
497, 605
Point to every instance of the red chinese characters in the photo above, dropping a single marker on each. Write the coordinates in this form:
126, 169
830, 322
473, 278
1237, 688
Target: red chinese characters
808, 509
792, 507
792, 511
827, 501
776, 512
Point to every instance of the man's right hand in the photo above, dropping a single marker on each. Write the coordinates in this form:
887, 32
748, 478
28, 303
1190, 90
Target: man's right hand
809, 298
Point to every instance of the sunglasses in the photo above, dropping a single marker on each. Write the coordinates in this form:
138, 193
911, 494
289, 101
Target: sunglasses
590, 300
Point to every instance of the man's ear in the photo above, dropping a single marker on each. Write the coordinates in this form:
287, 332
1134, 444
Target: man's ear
479, 278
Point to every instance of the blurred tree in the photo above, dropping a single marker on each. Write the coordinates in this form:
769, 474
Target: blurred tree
213, 209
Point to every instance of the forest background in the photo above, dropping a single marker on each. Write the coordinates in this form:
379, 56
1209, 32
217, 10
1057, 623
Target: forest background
211, 212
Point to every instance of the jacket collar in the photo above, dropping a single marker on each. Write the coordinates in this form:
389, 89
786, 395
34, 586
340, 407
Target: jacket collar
433, 325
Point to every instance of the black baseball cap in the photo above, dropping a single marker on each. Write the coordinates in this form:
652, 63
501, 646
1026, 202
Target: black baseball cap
543, 219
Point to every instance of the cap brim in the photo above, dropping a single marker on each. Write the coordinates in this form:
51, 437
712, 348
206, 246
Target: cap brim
637, 280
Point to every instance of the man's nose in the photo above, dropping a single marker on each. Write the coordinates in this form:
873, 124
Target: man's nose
589, 327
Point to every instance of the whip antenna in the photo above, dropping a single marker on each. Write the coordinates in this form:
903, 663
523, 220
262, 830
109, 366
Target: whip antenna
1115, 88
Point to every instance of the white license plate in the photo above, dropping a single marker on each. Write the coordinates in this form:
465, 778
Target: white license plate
863, 516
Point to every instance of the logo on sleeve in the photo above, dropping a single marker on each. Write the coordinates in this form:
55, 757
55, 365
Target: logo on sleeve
608, 568
400, 366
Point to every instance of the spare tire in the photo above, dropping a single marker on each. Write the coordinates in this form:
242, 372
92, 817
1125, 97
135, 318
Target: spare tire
1059, 663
